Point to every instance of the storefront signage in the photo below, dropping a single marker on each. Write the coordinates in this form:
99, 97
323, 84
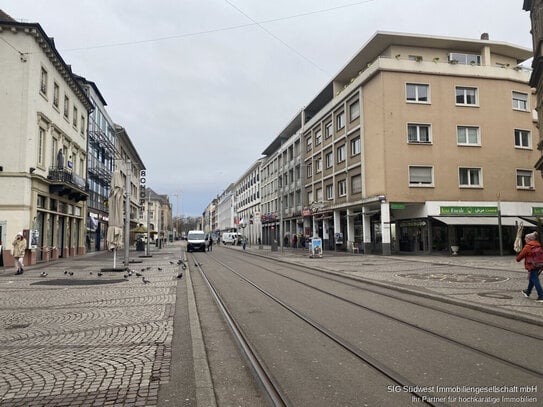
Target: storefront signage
143, 181
397, 205
468, 210
537, 211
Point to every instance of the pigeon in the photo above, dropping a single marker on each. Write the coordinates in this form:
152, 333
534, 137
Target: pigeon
90, 272
65, 271
43, 274
184, 267
147, 268
142, 270
126, 276
179, 262
130, 273
138, 274
160, 269
71, 273
180, 275
100, 274
145, 281
171, 262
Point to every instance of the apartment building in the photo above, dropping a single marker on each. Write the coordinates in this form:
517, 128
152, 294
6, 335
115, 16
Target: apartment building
100, 160
130, 165
423, 143
282, 186
44, 114
225, 210
247, 203
535, 7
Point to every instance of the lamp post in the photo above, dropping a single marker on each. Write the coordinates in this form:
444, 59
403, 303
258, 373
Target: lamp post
177, 212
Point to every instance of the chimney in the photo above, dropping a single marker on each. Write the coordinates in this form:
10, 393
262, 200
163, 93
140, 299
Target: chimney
484, 36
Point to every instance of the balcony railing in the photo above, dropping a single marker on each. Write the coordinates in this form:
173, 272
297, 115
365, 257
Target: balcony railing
65, 182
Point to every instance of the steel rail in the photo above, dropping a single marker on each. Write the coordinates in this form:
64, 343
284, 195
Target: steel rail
533, 372
365, 357
264, 378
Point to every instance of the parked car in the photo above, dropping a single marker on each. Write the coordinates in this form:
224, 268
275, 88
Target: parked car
232, 238
196, 241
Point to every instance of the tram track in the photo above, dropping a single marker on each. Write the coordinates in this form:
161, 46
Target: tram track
367, 358
267, 380
358, 284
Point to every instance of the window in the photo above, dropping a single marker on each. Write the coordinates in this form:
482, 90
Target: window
356, 184
354, 110
342, 188
421, 176
416, 92
41, 145
329, 192
83, 128
340, 120
520, 101
466, 96
465, 59
309, 169
318, 164
74, 117
66, 106
318, 193
522, 138
310, 197
329, 159
418, 133
56, 95
524, 179
318, 137
328, 130
469, 177
341, 153
468, 136
43, 81
309, 144
355, 146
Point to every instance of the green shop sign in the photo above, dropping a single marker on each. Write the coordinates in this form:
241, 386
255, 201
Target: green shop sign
537, 211
468, 210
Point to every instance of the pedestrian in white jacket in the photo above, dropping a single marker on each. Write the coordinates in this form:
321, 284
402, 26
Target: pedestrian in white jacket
19, 247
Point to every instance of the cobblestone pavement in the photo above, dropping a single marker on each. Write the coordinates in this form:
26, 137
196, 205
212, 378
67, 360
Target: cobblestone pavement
85, 339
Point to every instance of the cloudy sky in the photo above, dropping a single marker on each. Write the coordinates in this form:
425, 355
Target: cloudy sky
203, 86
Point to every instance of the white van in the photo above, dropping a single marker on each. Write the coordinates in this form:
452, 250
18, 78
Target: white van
196, 241
230, 238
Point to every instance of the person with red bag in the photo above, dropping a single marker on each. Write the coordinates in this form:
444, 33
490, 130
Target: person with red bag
532, 265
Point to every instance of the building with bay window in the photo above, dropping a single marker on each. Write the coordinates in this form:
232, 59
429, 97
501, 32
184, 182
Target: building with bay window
44, 114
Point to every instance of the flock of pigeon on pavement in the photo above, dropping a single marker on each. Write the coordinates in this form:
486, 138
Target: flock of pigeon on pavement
130, 273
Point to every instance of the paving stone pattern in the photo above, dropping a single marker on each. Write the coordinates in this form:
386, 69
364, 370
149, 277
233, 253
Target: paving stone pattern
85, 340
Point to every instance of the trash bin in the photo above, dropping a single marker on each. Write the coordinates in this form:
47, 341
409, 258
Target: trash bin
140, 246
274, 246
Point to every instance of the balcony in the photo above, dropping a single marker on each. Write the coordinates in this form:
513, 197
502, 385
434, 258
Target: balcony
64, 182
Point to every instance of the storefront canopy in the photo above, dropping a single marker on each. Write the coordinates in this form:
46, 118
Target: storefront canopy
481, 220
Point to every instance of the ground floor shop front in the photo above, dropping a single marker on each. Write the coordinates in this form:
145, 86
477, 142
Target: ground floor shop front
380, 227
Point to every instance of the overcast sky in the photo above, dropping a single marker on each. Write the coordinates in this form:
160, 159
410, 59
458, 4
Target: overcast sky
203, 86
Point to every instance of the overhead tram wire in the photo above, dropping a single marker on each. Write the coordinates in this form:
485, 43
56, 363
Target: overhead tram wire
280, 40
215, 30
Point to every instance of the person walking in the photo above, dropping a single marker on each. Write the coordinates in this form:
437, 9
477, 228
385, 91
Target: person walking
19, 247
210, 245
533, 272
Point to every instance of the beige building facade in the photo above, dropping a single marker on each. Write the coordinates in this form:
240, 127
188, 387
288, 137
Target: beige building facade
421, 144
44, 115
